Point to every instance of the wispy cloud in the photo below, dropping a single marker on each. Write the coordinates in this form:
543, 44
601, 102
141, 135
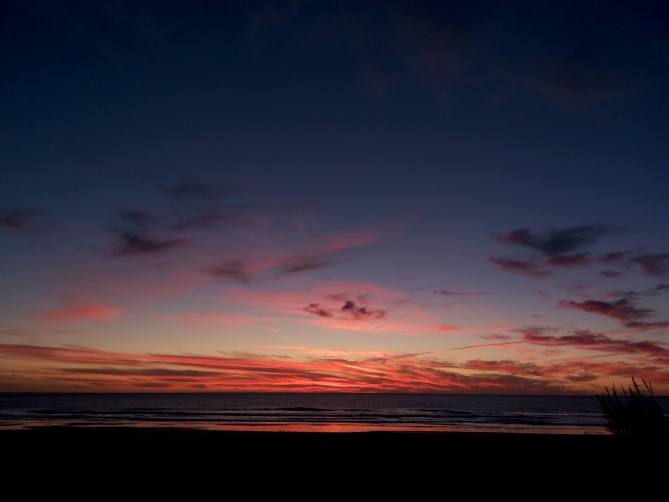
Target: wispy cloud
588, 340
529, 268
133, 243
192, 190
21, 220
83, 311
315, 254
623, 310
555, 242
349, 306
316, 309
234, 270
451, 292
135, 235
378, 373
653, 264
324, 370
569, 260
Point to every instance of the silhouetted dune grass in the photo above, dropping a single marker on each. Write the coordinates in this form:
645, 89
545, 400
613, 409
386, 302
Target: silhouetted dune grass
634, 412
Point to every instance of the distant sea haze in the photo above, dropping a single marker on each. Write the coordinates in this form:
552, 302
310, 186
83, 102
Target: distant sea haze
309, 412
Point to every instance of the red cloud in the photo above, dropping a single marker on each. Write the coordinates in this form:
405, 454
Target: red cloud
314, 255
314, 308
80, 312
385, 372
373, 310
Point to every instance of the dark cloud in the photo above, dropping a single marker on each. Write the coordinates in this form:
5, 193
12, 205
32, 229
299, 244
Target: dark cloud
357, 312
137, 234
133, 243
586, 339
582, 55
433, 45
574, 55
197, 191
653, 264
569, 260
529, 268
623, 310
298, 264
611, 274
450, 292
138, 218
555, 242
658, 290
390, 42
133, 234
556, 248
316, 309
581, 78
194, 205
234, 270
613, 257
648, 325
207, 218
349, 310
19, 220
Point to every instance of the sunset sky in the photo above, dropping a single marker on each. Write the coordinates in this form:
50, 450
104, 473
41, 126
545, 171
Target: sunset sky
334, 196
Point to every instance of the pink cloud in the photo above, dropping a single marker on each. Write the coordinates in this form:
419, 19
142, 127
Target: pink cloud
350, 306
312, 255
83, 311
207, 318
321, 370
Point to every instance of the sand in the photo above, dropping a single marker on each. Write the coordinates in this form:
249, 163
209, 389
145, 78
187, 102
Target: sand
268, 452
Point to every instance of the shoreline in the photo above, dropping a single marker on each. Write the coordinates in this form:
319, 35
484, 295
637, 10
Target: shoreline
314, 428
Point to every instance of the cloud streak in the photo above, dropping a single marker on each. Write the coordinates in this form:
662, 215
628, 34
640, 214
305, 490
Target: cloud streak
586, 339
20, 220
340, 372
529, 268
623, 310
135, 235
555, 242
84, 311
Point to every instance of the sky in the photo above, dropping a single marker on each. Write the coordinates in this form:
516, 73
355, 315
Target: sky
317, 196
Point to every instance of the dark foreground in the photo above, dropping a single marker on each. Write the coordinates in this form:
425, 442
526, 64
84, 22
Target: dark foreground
385, 460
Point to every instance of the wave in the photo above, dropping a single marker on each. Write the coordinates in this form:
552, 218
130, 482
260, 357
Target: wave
514, 412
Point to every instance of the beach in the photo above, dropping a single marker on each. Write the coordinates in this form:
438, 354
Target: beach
271, 451
118, 463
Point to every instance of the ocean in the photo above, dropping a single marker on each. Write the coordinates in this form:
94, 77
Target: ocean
309, 412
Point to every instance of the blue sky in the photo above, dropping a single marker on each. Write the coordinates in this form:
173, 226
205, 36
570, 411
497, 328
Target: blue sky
192, 179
